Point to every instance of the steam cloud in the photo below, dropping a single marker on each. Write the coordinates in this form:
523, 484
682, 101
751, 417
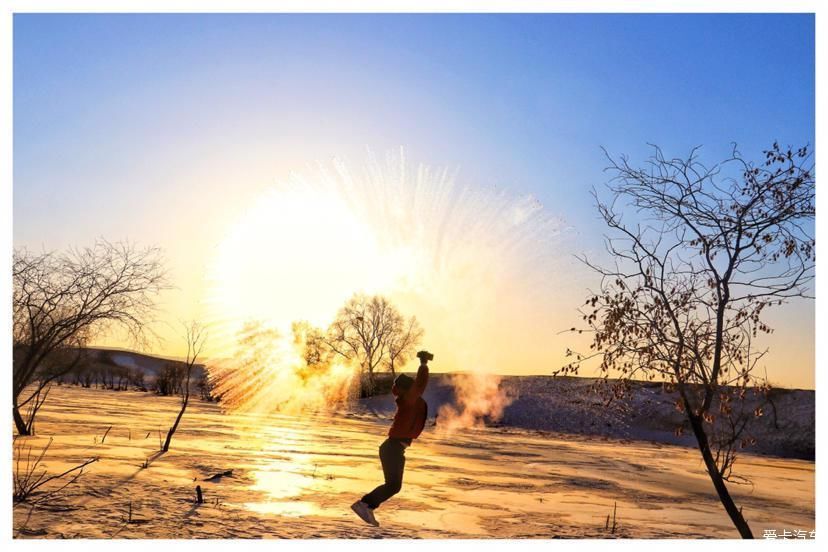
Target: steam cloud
479, 399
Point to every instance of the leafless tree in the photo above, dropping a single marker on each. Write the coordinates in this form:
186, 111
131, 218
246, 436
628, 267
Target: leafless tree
136, 379
170, 378
31, 480
311, 341
365, 330
405, 336
204, 386
699, 254
196, 336
61, 300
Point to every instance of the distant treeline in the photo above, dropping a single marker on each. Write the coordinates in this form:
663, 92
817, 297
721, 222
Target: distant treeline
98, 369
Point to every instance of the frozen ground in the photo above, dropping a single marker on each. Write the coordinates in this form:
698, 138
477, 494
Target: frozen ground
295, 477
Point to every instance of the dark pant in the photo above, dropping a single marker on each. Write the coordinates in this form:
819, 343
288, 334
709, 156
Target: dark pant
392, 456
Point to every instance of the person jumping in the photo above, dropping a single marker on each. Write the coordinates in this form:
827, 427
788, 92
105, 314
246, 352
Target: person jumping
409, 421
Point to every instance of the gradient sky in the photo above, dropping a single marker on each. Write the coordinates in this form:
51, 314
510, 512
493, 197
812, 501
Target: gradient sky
161, 128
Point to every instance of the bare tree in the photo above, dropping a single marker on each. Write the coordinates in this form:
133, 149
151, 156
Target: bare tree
204, 387
30, 477
170, 378
404, 338
365, 330
196, 336
704, 252
60, 301
311, 341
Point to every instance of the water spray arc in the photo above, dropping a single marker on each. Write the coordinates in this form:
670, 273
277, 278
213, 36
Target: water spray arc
475, 265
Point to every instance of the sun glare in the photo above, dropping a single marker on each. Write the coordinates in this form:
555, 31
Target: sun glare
294, 256
472, 266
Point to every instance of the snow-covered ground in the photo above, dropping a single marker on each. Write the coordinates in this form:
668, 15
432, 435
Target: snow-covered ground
296, 476
568, 405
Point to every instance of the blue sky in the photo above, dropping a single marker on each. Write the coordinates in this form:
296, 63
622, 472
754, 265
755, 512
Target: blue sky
145, 120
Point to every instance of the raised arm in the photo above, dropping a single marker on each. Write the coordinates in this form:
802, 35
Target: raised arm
420, 382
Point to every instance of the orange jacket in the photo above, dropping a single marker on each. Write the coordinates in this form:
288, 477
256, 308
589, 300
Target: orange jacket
411, 409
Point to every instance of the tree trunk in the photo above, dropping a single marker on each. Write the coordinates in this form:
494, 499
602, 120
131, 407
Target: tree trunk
366, 384
20, 424
170, 433
718, 482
